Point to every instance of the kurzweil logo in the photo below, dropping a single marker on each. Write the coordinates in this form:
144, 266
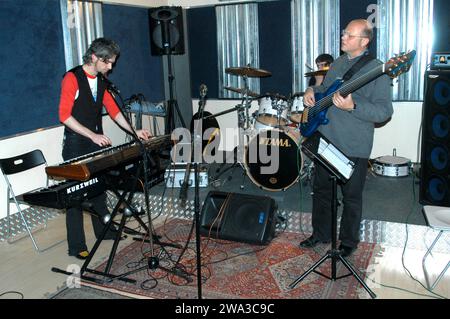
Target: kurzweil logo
82, 185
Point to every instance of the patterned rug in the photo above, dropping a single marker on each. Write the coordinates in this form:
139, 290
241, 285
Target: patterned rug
232, 270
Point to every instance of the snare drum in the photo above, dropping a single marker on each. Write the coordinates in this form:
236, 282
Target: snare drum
272, 110
297, 107
391, 166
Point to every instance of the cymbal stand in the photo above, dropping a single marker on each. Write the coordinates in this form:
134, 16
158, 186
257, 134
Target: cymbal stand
243, 119
247, 103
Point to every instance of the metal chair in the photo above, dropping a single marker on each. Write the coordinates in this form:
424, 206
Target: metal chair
438, 218
14, 166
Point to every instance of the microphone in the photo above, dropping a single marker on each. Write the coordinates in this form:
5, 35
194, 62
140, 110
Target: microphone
203, 90
110, 86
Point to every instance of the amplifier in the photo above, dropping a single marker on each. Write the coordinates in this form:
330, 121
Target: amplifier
175, 173
440, 60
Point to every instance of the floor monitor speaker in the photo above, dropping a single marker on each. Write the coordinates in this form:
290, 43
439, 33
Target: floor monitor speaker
238, 217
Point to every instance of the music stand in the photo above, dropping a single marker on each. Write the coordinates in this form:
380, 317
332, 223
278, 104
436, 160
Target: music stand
319, 148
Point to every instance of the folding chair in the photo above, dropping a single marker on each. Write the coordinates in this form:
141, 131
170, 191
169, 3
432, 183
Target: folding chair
15, 166
438, 218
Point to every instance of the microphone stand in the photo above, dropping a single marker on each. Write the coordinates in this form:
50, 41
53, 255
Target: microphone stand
203, 91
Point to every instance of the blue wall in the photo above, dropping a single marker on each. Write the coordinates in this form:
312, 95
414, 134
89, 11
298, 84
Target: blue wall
202, 37
32, 64
275, 47
136, 70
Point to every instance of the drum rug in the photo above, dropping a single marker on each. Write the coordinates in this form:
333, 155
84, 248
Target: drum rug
233, 269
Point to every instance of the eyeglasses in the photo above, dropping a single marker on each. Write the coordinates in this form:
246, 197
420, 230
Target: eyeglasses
106, 61
345, 33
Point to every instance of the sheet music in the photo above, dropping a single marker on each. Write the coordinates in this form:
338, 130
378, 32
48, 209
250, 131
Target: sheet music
335, 157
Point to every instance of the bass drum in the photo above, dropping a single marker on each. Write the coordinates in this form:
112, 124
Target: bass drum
277, 170
391, 166
209, 124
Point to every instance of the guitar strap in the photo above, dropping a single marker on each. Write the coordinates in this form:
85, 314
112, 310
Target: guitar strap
357, 66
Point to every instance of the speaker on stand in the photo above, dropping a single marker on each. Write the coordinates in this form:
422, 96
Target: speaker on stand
166, 30
435, 150
167, 38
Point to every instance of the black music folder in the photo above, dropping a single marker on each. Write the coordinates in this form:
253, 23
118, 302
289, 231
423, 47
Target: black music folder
320, 148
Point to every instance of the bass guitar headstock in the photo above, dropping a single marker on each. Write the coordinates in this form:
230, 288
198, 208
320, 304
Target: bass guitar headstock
399, 64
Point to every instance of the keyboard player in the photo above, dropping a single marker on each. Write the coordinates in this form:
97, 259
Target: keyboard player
83, 95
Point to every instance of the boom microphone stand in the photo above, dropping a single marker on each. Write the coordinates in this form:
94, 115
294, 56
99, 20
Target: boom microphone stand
153, 261
196, 143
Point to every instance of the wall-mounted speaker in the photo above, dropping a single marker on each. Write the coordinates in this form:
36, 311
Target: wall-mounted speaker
435, 151
166, 30
238, 217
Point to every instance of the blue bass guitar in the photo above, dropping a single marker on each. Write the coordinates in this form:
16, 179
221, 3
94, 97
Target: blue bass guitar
315, 116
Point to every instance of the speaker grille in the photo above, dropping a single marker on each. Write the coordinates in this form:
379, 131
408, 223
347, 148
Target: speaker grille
435, 156
238, 217
166, 30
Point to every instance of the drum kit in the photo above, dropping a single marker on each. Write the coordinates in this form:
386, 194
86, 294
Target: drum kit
279, 116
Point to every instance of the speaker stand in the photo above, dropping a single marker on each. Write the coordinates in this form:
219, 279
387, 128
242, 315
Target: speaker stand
172, 103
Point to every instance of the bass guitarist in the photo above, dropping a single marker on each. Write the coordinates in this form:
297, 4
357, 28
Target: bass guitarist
350, 128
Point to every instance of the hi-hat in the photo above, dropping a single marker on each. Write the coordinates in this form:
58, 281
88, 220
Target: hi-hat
315, 73
248, 71
241, 91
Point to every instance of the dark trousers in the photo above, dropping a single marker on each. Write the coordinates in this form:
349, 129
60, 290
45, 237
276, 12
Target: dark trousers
75, 146
352, 201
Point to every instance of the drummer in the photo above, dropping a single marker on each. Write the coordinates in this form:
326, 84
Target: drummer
323, 62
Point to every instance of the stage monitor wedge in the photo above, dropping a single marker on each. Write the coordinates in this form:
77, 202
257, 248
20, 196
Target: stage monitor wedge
238, 217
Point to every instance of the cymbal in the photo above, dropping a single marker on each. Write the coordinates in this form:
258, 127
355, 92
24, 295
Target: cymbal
315, 73
248, 71
241, 91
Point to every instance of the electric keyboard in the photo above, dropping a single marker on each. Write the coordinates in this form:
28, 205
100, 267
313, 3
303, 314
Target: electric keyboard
85, 167
65, 194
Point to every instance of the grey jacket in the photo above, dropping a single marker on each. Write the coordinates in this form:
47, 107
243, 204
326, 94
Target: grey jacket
352, 132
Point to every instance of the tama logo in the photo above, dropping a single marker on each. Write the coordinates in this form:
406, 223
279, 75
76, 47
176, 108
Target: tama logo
82, 185
274, 142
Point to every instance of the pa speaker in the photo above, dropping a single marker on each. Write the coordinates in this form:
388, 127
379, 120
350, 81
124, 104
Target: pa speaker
166, 30
435, 155
238, 217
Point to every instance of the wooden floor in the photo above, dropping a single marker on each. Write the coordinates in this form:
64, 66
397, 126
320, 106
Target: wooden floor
24, 270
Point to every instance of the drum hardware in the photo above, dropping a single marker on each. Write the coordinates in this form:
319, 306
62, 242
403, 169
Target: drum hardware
307, 173
245, 121
242, 91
